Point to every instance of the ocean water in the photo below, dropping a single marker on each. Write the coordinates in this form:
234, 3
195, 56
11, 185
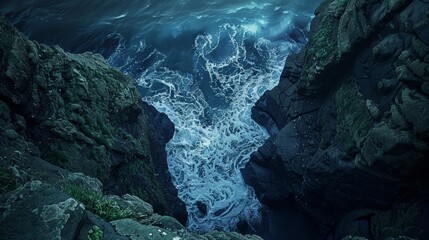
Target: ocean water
203, 63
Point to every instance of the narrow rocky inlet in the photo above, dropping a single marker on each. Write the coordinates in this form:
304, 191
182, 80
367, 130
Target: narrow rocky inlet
80, 150
229, 120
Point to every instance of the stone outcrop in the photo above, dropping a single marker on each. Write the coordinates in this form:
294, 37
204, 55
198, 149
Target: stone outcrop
37, 210
80, 114
349, 120
57, 215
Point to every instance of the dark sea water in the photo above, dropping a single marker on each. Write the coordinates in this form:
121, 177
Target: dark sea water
204, 63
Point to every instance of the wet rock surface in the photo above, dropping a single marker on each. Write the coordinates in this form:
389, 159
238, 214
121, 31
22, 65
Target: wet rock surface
350, 118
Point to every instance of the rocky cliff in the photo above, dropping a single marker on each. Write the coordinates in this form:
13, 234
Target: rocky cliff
73, 132
349, 124
76, 112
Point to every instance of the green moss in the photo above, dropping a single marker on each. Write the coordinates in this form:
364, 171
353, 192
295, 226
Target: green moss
124, 135
97, 204
323, 48
57, 157
105, 130
97, 135
354, 119
322, 51
95, 233
104, 140
339, 6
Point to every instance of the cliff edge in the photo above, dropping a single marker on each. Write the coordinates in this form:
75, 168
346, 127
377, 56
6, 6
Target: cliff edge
349, 123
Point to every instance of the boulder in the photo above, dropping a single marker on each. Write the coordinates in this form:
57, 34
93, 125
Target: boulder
80, 114
39, 211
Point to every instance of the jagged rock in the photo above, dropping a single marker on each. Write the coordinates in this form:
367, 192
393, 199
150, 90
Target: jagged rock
351, 117
414, 106
81, 180
56, 215
80, 114
165, 222
139, 207
93, 222
378, 224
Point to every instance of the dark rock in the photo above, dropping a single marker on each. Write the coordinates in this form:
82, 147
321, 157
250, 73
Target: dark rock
350, 120
242, 226
78, 113
287, 223
202, 208
139, 207
80, 180
166, 222
56, 215
134, 230
106, 228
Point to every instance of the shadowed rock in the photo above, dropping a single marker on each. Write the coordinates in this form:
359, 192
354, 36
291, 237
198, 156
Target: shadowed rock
80, 114
351, 111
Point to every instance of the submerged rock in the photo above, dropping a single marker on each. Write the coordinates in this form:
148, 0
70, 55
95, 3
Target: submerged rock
351, 111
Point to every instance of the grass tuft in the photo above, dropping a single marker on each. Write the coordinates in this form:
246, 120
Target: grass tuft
97, 204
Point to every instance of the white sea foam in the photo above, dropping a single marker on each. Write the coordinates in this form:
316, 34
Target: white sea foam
212, 143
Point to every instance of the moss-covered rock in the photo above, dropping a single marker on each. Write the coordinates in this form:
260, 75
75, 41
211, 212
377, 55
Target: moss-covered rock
351, 110
354, 119
78, 113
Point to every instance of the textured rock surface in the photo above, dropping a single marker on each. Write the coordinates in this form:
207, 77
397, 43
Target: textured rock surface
137, 231
135, 204
350, 115
56, 215
80, 114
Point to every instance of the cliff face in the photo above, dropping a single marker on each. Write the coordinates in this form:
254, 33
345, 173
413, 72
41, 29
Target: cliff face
349, 120
78, 113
